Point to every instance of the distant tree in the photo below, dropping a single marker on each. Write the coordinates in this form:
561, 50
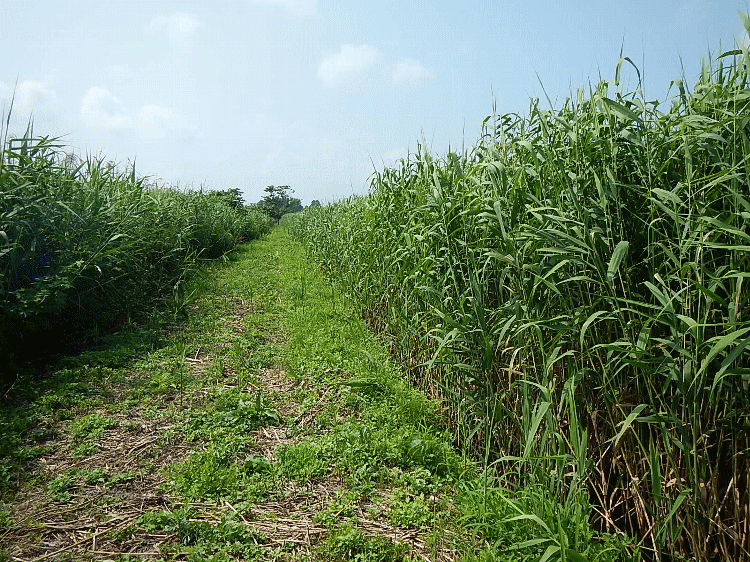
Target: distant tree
232, 197
314, 203
279, 202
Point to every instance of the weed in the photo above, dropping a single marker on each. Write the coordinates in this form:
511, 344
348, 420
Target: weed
178, 521
229, 541
341, 507
90, 427
302, 461
211, 475
120, 477
84, 450
94, 476
232, 412
226, 540
256, 464
60, 487
87, 246
123, 534
227, 424
408, 511
346, 542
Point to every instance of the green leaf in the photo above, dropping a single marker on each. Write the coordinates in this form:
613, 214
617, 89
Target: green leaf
618, 255
529, 517
541, 410
665, 195
549, 553
729, 359
731, 53
530, 542
620, 110
675, 506
721, 343
728, 228
590, 320
709, 293
628, 422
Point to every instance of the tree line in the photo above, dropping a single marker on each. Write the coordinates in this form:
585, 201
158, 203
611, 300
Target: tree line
277, 202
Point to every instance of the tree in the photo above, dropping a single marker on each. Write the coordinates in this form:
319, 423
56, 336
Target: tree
314, 203
232, 197
279, 202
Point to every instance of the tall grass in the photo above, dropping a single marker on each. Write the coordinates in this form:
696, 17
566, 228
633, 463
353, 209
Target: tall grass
85, 246
574, 289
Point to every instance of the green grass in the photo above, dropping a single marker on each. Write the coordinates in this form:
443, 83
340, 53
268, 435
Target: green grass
573, 289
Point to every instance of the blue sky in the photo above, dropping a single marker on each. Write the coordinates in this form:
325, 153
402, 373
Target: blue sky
317, 94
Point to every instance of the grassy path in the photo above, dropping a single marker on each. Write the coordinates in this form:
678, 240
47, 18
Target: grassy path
258, 421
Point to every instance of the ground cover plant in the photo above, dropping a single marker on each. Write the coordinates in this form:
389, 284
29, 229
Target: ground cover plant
85, 245
573, 289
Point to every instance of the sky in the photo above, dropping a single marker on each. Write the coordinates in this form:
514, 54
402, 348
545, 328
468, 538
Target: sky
320, 94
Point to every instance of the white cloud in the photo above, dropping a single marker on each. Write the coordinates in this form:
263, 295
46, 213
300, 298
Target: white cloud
5, 93
178, 26
32, 99
102, 110
350, 60
410, 71
154, 122
294, 7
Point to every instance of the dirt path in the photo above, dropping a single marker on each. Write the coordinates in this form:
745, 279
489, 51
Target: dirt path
265, 425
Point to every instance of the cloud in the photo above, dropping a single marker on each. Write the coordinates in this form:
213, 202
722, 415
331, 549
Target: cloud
154, 122
352, 60
349, 61
294, 7
102, 110
5, 95
178, 26
410, 71
32, 98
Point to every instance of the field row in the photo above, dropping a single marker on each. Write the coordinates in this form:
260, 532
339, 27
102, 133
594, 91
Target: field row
85, 246
573, 289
